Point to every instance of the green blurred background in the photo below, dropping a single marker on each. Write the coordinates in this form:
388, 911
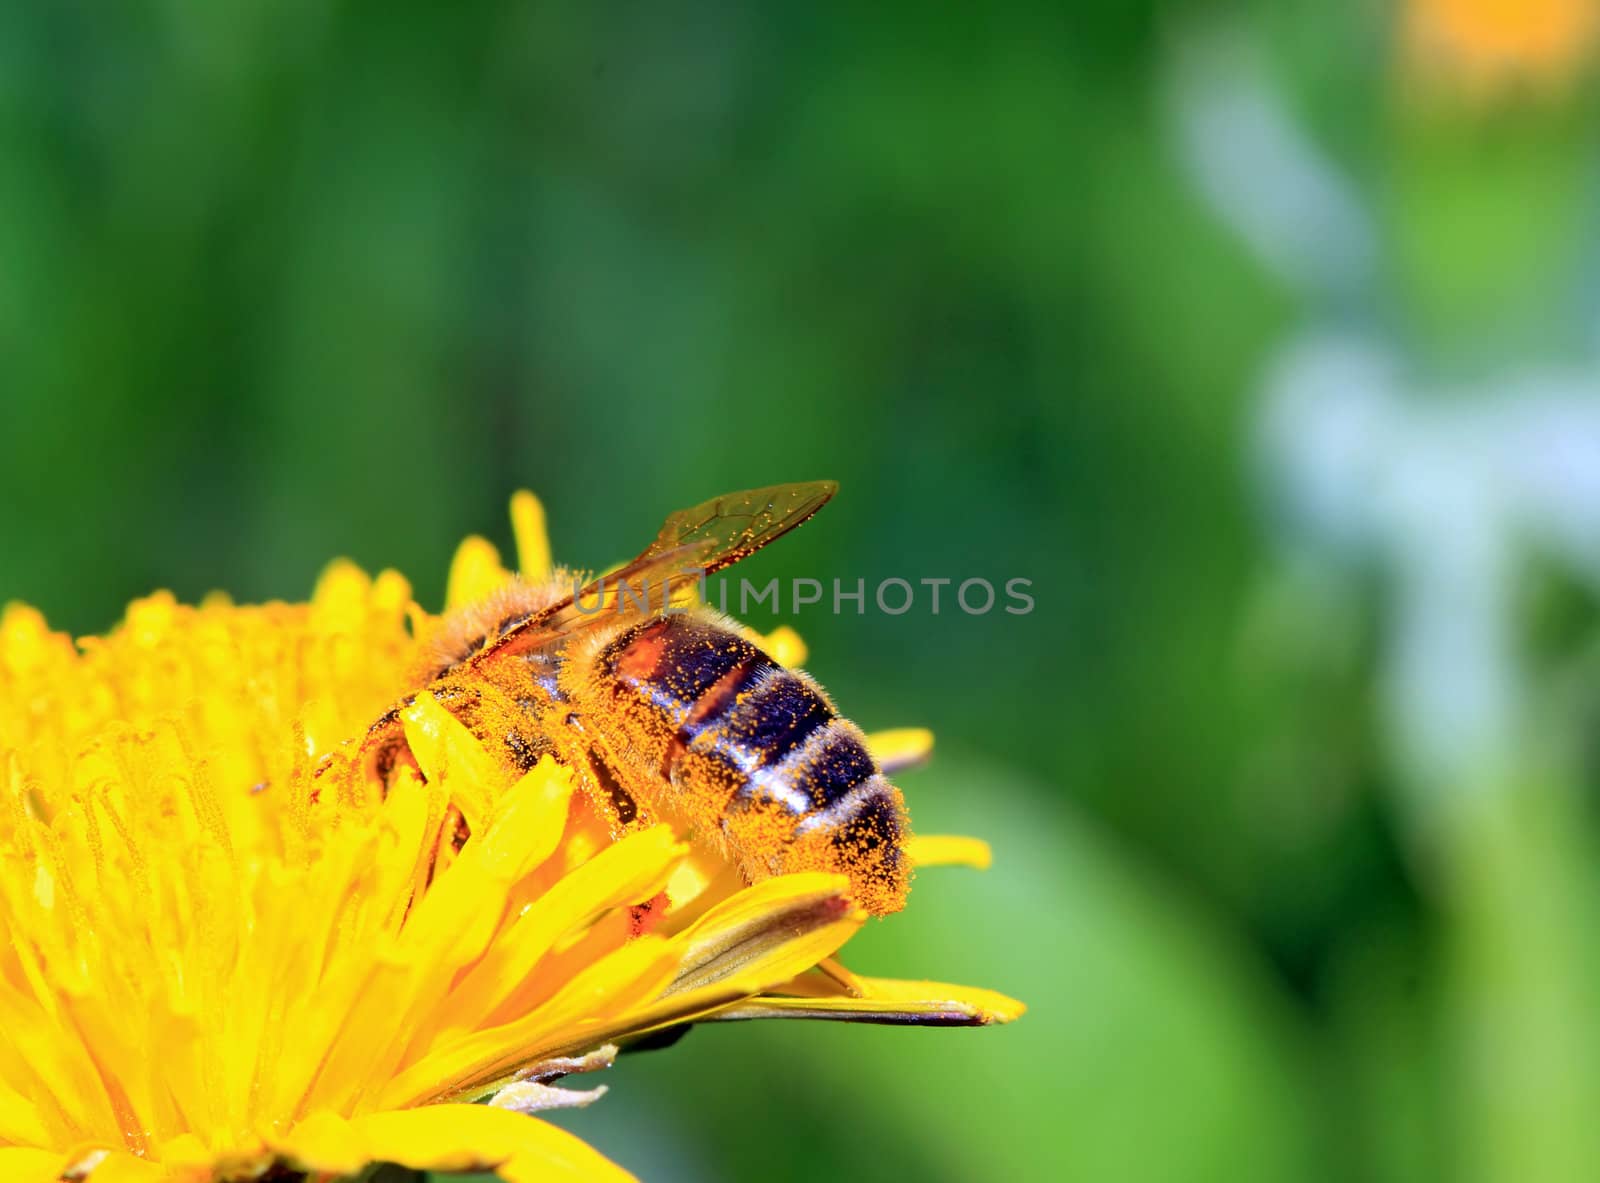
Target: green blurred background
1259, 337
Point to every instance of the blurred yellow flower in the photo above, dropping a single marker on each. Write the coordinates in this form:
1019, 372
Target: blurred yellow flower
1483, 44
213, 971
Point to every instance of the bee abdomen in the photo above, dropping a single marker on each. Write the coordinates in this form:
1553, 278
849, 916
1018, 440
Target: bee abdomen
846, 816
724, 700
775, 713
758, 752
675, 662
820, 775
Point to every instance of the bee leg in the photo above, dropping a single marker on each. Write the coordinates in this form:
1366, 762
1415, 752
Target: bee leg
582, 752
452, 836
456, 827
620, 804
387, 756
611, 800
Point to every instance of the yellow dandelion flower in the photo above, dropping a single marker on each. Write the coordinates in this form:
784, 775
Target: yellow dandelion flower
220, 967
1482, 45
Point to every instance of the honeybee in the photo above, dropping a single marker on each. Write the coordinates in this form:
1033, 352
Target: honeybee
666, 711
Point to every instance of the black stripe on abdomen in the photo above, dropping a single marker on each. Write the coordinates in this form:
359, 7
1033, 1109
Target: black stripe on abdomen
758, 723
731, 704
817, 775
830, 764
676, 661
866, 827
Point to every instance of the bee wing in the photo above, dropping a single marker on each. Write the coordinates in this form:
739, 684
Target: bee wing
728, 528
691, 544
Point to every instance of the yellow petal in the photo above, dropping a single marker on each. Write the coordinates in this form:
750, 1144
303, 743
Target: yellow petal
528, 821
150, 620
763, 926
339, 601
828, 979
784, 646
26, 641
447, 1138
515, 1146
885, 1000
450, 755
20, 1164
631, 870
391, 593
21, 1122
476, 1062
994, 1006
763, 936
533, 541
127, 1168
324, 1142
900, 747
474, 573
186, 1154
748, 944
948, 850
